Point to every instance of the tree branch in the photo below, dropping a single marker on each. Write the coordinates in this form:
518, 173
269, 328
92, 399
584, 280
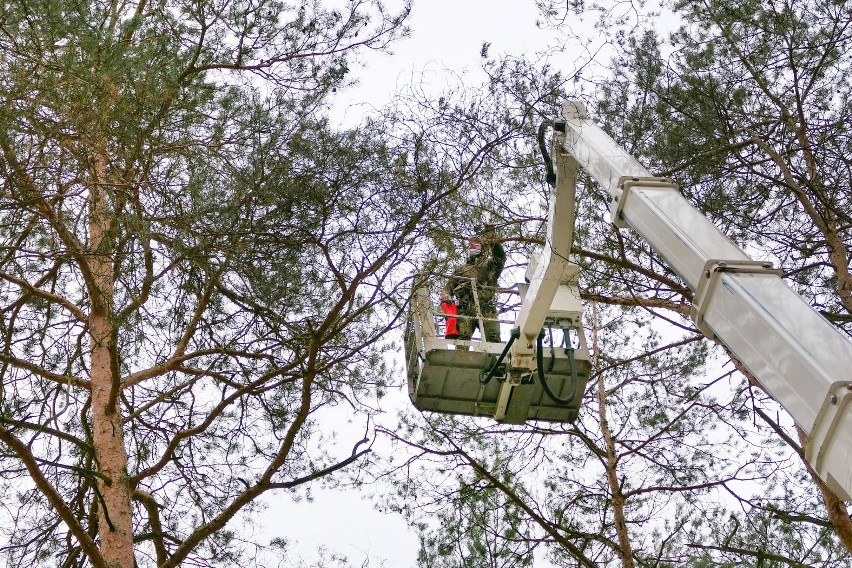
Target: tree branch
54, 498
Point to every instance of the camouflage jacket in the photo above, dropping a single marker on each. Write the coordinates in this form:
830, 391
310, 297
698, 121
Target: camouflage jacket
486, 269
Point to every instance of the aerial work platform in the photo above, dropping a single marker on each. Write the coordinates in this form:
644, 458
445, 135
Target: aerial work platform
451, 375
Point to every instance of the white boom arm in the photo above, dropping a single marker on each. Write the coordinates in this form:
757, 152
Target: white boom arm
803, 361
553, 268
549, 283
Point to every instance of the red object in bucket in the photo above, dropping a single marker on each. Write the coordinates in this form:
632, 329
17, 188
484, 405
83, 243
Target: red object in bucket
450, 308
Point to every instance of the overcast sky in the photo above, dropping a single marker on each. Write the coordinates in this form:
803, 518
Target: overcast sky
445, 43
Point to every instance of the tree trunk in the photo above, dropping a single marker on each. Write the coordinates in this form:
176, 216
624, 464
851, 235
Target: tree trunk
115, 522
611, 464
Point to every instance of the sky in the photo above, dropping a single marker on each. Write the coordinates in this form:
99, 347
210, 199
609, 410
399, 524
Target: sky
445, 42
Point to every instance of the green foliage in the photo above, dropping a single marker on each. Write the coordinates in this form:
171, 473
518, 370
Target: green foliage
477, 527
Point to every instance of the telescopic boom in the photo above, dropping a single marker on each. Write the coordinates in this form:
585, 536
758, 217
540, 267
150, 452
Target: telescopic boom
801, 360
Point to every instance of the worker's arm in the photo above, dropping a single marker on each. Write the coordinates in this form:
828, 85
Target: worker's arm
450, 288
497, 259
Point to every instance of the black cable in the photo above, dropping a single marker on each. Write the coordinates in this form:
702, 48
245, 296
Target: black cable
542, 146
539, 359
486, 376
552, 351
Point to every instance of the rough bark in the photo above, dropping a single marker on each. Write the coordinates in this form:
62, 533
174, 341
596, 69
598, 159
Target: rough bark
611, 462
115, 520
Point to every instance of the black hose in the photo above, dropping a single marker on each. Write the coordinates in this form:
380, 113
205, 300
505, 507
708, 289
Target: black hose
552, 351
539, 359
548, 163
486, 376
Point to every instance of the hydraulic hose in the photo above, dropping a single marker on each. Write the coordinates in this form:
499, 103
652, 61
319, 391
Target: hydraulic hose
489, 374
542, 146
552, 351
539, 359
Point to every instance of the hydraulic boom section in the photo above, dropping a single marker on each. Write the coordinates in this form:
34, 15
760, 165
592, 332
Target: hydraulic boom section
803, 361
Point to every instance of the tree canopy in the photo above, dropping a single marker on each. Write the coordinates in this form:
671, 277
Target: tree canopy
202, 274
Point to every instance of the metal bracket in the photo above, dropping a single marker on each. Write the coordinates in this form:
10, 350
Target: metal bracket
623, 187
709, 279
824, 432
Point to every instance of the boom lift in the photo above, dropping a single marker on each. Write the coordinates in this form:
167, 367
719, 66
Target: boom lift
802, 361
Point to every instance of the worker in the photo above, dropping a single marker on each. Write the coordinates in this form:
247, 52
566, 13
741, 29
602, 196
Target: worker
485, 260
